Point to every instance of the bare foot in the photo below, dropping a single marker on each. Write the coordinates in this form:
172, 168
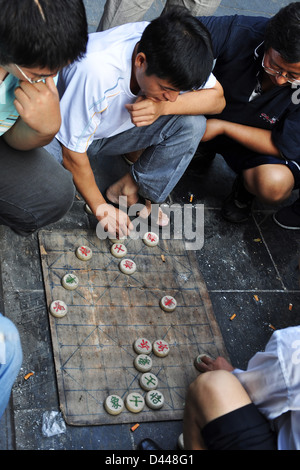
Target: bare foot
204, 363
126, 187
127, 190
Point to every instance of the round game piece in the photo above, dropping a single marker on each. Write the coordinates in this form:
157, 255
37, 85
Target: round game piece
168, 303
70, 281
160, 348
180, 441
150, 239
135, 402
87, 209
154, 399
58, 308
118, 250
117, 240
127, 266
142, 346
114, 404
148, 381
84, 253
143, 363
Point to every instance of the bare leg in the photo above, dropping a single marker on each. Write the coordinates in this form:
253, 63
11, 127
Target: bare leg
270, 183
210, 396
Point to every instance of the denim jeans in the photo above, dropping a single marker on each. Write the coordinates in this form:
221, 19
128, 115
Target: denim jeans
170, 144
34, 189
10, 359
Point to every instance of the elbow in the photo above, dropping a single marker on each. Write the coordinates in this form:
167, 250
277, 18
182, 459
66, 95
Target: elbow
220, 105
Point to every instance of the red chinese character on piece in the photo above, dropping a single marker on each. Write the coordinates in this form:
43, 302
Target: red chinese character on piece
152, 239
161, 346
85, 251
119, 248
128, 264
58, 307
144, 344
168, 301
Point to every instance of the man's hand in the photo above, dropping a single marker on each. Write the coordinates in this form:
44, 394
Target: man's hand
114, 221
145, 111
39, 121
38, 106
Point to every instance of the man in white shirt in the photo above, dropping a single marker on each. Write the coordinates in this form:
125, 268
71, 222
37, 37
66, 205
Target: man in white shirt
124, 96
227, 408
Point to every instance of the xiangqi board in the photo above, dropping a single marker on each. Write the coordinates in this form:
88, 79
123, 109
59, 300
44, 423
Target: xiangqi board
109, 310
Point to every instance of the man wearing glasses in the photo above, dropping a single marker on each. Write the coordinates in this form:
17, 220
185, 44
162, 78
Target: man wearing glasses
258, 65
37, 39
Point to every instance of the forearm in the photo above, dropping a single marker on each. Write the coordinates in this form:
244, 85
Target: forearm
207, 101
258, 140
78, 164
22, 137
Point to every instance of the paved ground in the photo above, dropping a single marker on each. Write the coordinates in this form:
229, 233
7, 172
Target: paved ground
258, 258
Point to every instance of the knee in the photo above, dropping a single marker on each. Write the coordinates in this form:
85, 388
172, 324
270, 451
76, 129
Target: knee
194, 125
57, 201
272, 187
208, 384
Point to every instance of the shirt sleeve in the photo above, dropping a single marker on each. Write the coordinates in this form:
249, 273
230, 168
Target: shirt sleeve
210, 83
220, 30
80, 109
286, 135
272, 377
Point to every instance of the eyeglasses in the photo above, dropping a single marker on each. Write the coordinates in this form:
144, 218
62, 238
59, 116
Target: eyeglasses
278, 73
30, 80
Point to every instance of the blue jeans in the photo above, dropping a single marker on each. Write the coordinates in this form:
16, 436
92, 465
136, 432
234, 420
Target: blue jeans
170, 144
10, 359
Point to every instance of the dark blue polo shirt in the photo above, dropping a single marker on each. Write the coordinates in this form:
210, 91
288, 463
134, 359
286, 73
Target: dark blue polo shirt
239, 49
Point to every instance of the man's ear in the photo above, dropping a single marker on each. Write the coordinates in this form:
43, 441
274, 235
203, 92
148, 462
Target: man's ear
141, 61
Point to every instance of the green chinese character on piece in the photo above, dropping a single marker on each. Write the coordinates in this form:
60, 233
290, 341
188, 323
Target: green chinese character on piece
115, 402
70, 279
136, 401
150, 380
155, 397
144, 361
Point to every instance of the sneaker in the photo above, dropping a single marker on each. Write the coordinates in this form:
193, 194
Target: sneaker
289, 217
237, 206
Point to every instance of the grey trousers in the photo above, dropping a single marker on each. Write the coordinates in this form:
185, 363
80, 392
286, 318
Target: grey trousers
117, 12
35, 190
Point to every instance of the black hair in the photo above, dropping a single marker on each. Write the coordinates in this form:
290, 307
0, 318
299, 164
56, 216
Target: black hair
178, 48
283, 33
42, 33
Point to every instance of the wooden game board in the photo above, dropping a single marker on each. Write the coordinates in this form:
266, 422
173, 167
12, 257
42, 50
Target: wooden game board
93, 343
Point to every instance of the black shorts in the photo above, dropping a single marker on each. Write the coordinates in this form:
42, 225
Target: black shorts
242, 429
239, 158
